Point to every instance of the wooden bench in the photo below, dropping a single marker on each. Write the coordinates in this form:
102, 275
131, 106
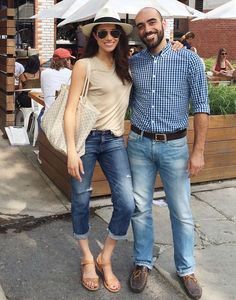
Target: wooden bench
220, 157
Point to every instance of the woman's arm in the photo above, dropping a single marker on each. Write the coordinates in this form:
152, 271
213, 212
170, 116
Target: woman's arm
74, 163
22, 79
214, 70
228, 65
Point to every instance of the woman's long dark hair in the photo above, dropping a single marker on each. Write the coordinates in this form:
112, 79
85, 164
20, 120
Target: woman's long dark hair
120, 54
219, 56
32, 65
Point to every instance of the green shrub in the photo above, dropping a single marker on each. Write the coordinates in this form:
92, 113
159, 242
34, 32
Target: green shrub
209, 62
222, 100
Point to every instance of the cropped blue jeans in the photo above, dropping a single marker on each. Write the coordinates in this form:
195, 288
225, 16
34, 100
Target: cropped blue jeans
147, 158
110, 152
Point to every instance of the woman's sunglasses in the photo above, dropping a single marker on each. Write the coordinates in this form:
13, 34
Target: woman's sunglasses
114, 33
223, 53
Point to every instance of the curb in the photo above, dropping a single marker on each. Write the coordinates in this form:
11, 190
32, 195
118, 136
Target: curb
2, 295
176, 285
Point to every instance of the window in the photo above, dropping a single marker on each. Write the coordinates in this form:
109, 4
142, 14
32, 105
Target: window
24, 25
199, 5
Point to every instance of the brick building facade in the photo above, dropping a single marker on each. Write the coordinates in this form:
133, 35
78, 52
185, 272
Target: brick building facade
210, 35
213, 34
44, 31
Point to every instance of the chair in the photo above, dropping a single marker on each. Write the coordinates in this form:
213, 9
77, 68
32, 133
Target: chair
34, 125
25, 113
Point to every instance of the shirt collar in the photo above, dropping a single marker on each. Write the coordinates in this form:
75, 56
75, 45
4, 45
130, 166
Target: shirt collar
166, 49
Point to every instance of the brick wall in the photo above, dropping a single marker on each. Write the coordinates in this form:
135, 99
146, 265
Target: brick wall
44, 31
214, 34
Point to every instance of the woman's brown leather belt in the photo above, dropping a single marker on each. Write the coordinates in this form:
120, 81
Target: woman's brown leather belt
163, 137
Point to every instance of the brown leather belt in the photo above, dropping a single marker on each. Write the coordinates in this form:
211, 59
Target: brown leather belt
163, 137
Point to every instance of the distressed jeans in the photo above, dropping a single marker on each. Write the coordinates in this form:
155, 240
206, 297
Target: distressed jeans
147, 158
110, 152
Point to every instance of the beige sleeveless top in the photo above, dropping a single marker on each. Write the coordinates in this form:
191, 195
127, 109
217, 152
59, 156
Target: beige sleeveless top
109, 95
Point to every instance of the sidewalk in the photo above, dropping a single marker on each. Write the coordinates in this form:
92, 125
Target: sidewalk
39, 256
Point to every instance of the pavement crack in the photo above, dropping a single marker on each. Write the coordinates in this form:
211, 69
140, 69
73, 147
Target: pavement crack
29, 222
229, 218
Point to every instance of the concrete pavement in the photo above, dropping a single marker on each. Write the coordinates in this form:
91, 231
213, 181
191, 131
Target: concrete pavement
39, 258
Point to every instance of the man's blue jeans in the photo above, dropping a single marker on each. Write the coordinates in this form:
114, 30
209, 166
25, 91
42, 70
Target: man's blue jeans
147, 158
110, 152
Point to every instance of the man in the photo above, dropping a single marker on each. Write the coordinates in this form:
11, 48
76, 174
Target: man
163, 83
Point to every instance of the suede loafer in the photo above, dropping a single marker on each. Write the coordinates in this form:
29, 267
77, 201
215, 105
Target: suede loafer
191, 286
138, 278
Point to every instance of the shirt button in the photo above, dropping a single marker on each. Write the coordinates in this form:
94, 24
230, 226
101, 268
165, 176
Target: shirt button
153, 91
153, 106
153, 122
154, 76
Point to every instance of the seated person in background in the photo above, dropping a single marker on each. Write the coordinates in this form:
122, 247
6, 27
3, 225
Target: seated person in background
222, 67
19, 69
187, 38
30, 78
59, 73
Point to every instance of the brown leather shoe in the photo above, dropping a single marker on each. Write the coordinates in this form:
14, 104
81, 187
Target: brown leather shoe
191, 286
138, 279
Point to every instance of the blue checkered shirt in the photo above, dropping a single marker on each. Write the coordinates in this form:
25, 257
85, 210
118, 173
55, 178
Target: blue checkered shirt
163, 86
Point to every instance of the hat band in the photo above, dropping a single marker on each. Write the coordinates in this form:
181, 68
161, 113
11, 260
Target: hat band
107, 19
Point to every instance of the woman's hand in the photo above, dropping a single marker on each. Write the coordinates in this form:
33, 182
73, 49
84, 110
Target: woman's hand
75, 166
176, 45
223, 72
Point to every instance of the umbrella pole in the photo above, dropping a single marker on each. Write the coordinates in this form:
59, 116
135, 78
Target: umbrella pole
127, 18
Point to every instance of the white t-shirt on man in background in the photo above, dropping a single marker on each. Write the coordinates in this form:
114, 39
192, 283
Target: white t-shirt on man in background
51, 81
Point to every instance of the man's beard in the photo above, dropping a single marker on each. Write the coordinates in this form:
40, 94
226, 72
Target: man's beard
153, 44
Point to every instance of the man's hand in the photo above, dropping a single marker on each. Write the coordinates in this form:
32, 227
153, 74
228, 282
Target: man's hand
195, 163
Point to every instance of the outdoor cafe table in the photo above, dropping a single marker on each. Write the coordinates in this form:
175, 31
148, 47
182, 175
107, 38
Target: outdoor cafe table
37, 97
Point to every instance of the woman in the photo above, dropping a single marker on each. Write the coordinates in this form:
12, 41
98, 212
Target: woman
187, 38
30, 78
110, 83
222, 65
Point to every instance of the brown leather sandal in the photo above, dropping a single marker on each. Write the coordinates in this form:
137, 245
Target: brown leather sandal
108, 283
86, 281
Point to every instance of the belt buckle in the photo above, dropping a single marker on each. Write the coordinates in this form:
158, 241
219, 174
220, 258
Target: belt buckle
158, 139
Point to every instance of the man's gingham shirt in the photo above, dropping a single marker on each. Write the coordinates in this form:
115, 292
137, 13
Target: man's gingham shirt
163, 86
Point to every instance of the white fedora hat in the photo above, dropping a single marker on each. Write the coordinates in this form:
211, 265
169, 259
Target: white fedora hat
106, 15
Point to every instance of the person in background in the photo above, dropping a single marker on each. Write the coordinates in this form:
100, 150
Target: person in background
164, 83
80, 41
59, 73
222, 65
19, 69
30, 78
109, 88
187, 39
133, 50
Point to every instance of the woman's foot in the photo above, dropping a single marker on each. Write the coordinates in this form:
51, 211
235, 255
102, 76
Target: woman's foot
110, 281
89, 277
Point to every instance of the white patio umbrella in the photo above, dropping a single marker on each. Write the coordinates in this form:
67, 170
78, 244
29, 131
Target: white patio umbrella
169, 9
62, 9
225, 11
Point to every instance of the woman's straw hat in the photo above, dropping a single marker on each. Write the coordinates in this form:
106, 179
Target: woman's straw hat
106, 15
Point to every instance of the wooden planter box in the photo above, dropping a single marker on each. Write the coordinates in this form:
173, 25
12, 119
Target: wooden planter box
220, 157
